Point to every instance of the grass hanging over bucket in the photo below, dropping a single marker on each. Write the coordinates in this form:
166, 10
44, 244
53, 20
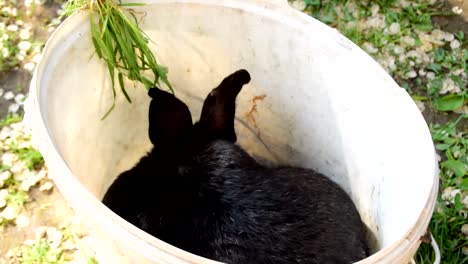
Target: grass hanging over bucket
121, 44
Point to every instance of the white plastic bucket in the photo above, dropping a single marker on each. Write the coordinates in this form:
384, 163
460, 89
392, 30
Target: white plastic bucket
328, 106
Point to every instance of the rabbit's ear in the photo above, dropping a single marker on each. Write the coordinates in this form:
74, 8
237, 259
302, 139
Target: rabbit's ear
219, 108
169, 118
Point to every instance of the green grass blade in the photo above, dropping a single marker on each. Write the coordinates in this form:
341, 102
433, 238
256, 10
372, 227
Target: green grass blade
122, 87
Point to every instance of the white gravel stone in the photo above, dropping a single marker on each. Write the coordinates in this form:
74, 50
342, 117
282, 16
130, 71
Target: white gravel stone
398, 50
5, 133
9, 159
438, 34
449, 194
455, 44
449, 86
40, 232
5, 175
464, 229
413, 54
54, 237
5, 53
19, 98
465, 251
298, 5
430, 76
388, 63
3, 196
25, 34
411, 74
457, 10
17, 167
24, 45
20, 57
25, 144
370, 48
394, 28
3, 193
458, 72
465, 199
3, 203
31, 180
9, 213
47, 186
13, 108
12, 27
1, 91
29, 242
377, 22
448, 36
37, 58
29, 66
420, 105
375, 9
22, 221
9, 95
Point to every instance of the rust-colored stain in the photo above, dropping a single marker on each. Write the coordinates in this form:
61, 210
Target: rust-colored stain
250, 115
426, 238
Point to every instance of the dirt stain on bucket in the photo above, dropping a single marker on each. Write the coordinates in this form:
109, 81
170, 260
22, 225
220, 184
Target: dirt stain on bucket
250, 115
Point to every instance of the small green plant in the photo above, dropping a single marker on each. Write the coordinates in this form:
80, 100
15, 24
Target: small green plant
10, 119
17, 197
449, 216
30, 156
49, 250
41, 253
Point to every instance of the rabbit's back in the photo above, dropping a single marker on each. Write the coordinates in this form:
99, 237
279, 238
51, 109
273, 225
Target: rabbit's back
275, 215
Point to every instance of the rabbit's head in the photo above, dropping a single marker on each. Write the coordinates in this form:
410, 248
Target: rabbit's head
170, 122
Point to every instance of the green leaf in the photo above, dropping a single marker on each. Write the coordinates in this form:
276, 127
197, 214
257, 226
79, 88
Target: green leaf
435, 67
419, 97
418, 42
456, 166
312, 2
460, 35
464, 184
424, 27
442, 146
435, 86
449, 102
458, 203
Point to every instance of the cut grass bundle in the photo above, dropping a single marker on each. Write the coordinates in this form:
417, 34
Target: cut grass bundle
121, 44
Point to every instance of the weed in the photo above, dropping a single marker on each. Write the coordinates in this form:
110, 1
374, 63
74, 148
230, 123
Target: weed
30, 156
449, 216
10, 119
41, 253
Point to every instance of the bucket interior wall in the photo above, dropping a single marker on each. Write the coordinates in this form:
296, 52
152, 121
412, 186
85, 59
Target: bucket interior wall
326, 105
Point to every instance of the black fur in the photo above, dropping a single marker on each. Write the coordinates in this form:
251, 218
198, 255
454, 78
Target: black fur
199, 191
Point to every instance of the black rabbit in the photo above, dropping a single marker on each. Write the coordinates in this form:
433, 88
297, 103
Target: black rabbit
201, 192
